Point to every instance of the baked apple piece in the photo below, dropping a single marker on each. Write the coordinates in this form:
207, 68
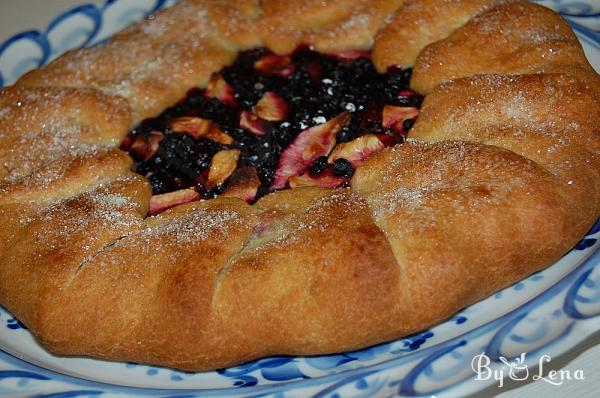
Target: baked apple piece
252, 123
310, 144
280, 65
243, 184
357, 150
271, 107
160, 203
218, 88
222, 166
325, 179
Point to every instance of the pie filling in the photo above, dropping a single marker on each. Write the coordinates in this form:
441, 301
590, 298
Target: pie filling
270, 122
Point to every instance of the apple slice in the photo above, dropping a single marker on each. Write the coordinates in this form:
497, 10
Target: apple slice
243, 184
154, 139
222, 165
252, 123
219, 136
307, 146
325, 179
271, 107
139, 147
286, 71
406, 93
160, 203
146, 148
396, 115
272, 63
218, 88
197, 127
357, 150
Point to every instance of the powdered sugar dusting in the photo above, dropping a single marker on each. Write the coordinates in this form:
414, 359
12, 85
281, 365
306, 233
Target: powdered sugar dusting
320, 216
137, 63
36, 149
459, 175
98, 210
358, 22
40, 126
515, 38
542, 104
197, 226
421, 201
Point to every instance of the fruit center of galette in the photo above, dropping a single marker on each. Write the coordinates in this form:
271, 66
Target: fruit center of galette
272, 122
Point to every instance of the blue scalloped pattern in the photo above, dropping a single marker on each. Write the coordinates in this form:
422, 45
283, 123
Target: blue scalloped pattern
54, 40
420, 364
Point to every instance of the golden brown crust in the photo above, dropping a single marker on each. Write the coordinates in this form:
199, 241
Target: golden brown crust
40, 125
516, 38
151, 64
236, 21
550, 119
148, 283
546, 102
418, 23
298, 262
435, 203
44, 235
67, 176
502, 177
328, 26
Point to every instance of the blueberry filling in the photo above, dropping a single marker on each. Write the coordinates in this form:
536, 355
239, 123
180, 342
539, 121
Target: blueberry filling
319, 165
342, 168
407, 124
254, 127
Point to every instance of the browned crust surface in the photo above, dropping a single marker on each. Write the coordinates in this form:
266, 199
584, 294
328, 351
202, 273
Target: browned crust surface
435, 203
500, 178
418, 23
41, 125
516, 38
329, 26
151, 63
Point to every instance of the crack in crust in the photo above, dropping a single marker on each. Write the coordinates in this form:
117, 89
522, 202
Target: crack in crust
500, 178
99, 252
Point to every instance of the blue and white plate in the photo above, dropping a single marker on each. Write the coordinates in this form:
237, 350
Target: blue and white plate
549, 312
